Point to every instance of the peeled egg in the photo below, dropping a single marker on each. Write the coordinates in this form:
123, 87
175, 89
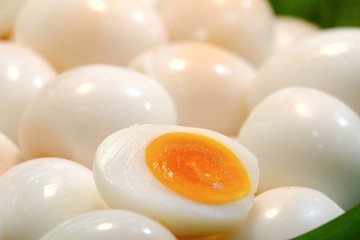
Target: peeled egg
39, 194
9, 154
208, 84
8, 13
290, 30
244, 27
109, 225
154, 4
23, 73
73, 113
70, 33
285, 213
305, 137
196, 182
328, 61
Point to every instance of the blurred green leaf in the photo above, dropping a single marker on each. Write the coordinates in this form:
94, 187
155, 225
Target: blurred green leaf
345, 227
326, 13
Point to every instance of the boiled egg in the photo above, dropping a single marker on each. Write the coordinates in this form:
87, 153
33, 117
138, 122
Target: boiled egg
289, 30
194, 181
39, 194
108, 225
23, 73
244, 27
72, 114
70, 33
8, 13
9, 154
154, 4
328, 61
209, 85
285, 213
305, 137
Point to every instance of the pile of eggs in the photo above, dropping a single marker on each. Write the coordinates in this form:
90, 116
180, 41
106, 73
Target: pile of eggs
174, 119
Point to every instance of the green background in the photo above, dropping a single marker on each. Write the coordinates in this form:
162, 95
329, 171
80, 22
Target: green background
326, 13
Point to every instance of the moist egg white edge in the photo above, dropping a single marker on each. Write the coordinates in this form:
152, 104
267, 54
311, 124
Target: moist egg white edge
150, 197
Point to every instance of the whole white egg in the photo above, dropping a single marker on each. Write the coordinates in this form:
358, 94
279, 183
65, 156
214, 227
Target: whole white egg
196, 182
154, 4
9, 154
9, 10
72, 114
70, 33
208, 84
39, 194
109, 225
244, 27
285, 213
289, 30
328, 61
305, 137
23, 73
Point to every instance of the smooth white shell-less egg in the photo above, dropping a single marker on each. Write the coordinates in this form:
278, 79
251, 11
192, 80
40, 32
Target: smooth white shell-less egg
285, 213
328, 61
307, 138
109, 225
125, 181
290, 30
9, 154
70, 33
244, 27
23, 73
39, 194
79, 108
154, 4
208, 84
8, 13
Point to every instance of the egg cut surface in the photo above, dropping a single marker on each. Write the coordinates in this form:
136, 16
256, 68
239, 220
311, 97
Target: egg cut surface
80, 107
305, 137
39, 194
194, 181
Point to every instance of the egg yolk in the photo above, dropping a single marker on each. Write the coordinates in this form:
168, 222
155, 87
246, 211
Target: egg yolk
197, 167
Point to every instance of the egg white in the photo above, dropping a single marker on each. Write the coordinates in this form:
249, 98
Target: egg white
124, 181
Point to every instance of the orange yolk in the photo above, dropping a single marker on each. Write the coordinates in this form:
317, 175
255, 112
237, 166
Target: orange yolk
197, 167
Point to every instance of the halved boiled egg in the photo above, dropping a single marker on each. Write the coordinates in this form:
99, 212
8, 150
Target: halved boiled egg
196, 182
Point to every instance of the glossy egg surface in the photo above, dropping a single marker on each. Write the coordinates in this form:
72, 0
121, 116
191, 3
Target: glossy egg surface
194, 181
242, 26
108, 225
71, 33
39, 194
304, 137
328, 61
287, 212
23, 72
78, 109
208, 84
